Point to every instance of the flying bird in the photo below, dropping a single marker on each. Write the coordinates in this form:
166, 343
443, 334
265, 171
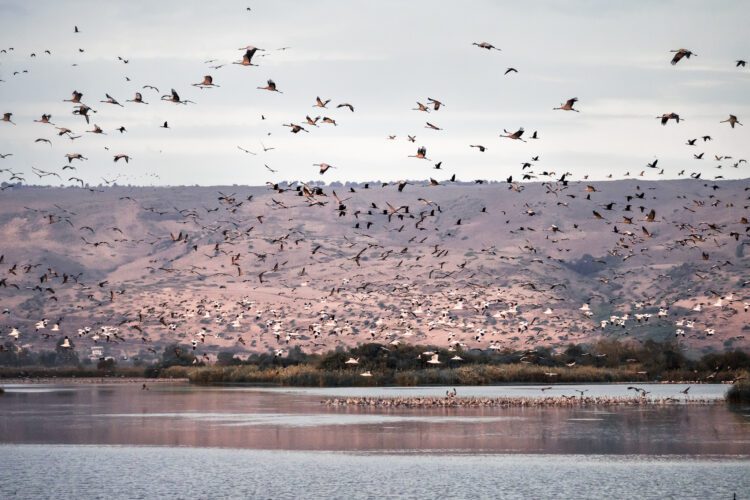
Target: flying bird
270, 86
208, 82
421, 153
679, 54
568, 106
323, 167
175, 98
247, 58
514, 135
669, 116
732, 120
137, 99
485, 45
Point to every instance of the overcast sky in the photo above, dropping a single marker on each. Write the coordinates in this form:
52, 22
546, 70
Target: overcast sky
382, 57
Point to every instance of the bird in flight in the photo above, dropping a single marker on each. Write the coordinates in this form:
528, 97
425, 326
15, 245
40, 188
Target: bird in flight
732, 120
669, 116
175, 98
485, 45
247, 58
319, 103
515, 135
421, 153
138, 99
679, 54
207, 83
323, 167
568, 106
270, 86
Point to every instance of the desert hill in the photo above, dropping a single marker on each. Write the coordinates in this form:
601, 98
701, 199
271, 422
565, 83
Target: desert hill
489, 266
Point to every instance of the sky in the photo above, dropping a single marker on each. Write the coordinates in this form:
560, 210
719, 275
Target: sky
382, 57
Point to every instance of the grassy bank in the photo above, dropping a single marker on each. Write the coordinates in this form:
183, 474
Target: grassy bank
410, 365
24, 372
310, 376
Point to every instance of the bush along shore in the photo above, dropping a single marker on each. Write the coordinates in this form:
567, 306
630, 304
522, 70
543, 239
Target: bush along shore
410, 365
739, 393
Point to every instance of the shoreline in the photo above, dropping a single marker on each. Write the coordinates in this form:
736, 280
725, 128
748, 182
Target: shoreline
182, 380
90, 380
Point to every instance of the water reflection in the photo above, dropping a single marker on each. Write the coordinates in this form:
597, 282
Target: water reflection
183, 415
165, 472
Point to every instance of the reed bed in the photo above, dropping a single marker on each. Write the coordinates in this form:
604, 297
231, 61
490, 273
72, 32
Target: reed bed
49, 372
310, 376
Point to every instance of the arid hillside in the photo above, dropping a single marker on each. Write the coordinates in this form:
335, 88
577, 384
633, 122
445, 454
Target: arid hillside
486, 266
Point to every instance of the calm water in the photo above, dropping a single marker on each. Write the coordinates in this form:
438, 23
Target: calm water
181, 441
145, 472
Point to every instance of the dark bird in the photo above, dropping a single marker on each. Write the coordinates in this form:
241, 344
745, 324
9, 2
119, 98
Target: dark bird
175, 98
270, 86
679, 54
247, 58
208, 82
485, 45
669, 116
421, 153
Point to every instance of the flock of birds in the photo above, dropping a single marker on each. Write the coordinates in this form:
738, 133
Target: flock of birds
411, 244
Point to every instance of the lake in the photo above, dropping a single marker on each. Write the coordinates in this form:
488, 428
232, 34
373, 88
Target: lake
177, 440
